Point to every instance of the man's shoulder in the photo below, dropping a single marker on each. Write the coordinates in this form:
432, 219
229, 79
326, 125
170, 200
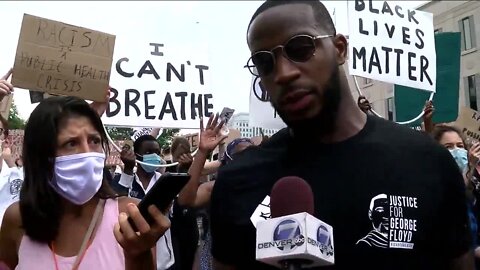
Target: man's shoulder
403, 136
257, 159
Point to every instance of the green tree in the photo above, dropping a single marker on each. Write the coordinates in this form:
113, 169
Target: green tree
118, 133
165, 139
14, 120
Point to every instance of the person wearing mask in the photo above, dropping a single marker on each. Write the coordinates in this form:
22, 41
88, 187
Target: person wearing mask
329, 141
147, 150
467, 160
67, 216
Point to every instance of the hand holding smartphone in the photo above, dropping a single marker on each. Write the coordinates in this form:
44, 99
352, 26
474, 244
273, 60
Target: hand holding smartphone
167, 187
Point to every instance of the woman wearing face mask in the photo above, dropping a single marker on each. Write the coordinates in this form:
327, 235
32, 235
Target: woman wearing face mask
468, 162
67, 216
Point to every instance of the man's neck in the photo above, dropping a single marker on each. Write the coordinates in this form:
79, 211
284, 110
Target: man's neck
144, 177
348, 122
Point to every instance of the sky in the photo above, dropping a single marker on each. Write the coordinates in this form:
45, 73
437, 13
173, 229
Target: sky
220, 24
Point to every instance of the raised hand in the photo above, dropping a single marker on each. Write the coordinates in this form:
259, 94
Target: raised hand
428, 111
101, 107
6, 88
364, 104
210, 136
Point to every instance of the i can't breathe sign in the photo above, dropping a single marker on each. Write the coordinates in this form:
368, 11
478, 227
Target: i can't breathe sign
391, 43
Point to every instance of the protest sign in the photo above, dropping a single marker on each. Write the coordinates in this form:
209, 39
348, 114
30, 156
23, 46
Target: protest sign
392, 44
5, 106
138, 132
261, 112
63, 59
409, 102
469, 123
159, 84
192, 139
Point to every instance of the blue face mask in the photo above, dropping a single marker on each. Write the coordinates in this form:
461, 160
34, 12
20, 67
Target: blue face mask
460, 156
152, 159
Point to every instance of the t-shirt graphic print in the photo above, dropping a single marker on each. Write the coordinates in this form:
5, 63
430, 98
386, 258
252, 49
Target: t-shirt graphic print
392, 226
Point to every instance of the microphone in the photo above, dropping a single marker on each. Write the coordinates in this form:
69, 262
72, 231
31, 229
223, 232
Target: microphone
294, 238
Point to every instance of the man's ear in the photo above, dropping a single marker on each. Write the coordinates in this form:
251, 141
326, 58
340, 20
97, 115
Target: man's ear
341, 46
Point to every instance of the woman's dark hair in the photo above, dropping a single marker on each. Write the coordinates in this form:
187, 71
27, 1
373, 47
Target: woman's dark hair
439, 130
40, 206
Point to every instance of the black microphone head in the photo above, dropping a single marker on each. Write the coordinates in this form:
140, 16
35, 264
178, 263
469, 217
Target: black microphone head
291, 195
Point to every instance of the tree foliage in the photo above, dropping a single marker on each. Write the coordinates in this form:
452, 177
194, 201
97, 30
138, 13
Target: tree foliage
165, 139
118, 133
14, 119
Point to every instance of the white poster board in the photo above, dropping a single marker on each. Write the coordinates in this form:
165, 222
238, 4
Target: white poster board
159, 84
261, 113
390, 43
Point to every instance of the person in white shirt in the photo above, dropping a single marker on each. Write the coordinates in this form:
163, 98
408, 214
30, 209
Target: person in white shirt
11, 178
146, 149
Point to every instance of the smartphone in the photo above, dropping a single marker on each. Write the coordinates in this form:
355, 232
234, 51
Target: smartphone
226, 114
161, 194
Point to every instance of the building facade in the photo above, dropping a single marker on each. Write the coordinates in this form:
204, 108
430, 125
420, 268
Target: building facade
240, 122
448, 16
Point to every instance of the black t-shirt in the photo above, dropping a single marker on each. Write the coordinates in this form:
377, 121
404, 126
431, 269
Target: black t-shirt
405, 176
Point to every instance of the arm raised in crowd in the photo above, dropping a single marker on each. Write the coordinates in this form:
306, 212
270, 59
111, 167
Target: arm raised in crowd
6, 88
209, 139
155, 132
428, 111
101, 107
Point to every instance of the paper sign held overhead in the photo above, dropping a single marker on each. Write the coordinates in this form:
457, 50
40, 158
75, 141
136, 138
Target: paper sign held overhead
160, 84
469, 123
391, 43
63, 59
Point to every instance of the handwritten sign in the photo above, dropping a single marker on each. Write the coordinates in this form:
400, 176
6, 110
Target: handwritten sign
63, 59
5, 106
261, 113
392, 44
157, 84
469, 123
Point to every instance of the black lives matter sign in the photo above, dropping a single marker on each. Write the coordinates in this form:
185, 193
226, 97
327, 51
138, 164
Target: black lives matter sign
391, 43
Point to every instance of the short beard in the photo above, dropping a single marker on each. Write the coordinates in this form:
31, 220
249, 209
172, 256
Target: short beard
324, 122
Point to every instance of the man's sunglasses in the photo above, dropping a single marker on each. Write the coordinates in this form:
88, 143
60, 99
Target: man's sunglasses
298, 49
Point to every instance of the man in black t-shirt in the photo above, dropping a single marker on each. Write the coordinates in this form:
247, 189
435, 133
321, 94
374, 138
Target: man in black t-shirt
363, 170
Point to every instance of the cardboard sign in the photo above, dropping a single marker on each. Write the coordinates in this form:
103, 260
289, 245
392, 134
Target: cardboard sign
159, 85
469, 123
409, 102
5, 106
390, 43
63, 59
261, 113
